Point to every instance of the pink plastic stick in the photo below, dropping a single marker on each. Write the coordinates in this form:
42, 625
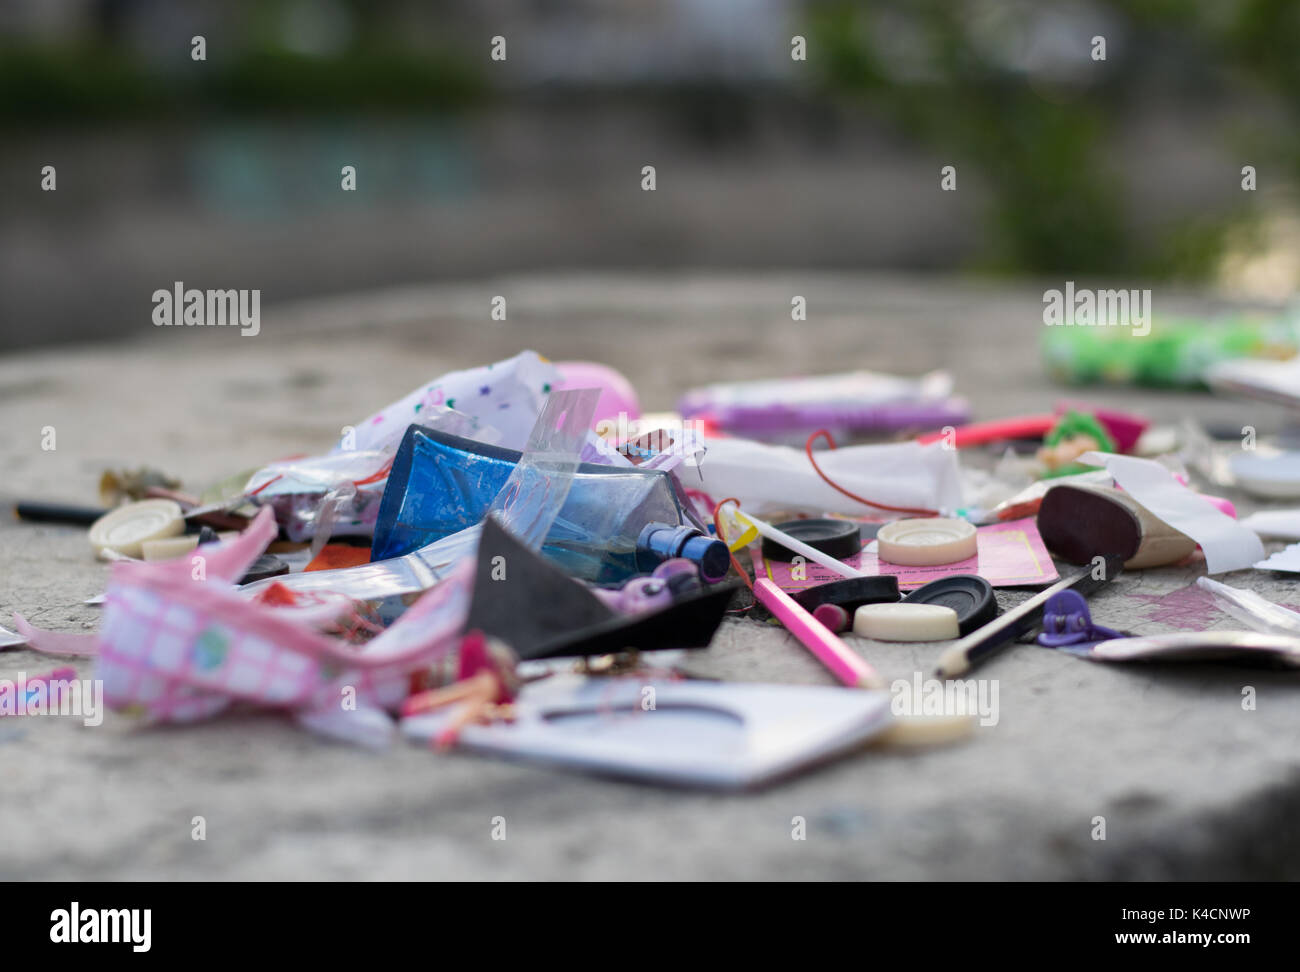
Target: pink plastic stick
844, 663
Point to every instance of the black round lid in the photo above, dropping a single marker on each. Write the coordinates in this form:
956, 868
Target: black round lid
850, 593
970, 595
835, 538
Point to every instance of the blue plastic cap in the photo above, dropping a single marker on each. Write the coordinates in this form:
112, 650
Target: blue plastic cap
663, 542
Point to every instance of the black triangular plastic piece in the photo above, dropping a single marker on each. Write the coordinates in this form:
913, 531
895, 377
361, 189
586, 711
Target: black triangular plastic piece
523, 599
541, 612
686, 623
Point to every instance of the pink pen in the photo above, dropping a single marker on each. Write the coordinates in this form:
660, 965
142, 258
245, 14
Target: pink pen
843, 661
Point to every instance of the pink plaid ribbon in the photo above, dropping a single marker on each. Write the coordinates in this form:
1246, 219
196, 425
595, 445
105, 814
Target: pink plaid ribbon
181, 649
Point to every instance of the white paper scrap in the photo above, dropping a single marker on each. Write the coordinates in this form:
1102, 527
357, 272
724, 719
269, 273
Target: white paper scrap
1227, 544
1288, 560
711, 734
1274, 524
8, 639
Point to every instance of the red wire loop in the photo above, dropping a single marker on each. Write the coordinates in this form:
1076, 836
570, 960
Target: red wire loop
717, 527
376, 476
808, 449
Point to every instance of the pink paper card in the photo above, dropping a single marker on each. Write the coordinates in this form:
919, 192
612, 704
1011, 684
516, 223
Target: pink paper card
1008, 554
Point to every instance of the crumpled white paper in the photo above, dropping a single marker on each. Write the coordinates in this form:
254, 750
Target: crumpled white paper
507, 395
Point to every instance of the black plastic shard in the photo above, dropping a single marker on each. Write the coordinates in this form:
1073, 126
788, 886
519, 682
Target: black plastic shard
522, 598
541, 612
686, 623
267, 565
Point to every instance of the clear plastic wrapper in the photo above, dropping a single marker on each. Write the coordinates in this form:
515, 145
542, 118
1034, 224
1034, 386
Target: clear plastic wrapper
341, 492
317, 497
528, 504
1251, 609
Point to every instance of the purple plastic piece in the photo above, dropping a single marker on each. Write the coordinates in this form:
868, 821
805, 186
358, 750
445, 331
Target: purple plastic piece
885, 417
1066, 621
653, 592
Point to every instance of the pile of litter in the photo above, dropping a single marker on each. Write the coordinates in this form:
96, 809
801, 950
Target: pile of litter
514, 559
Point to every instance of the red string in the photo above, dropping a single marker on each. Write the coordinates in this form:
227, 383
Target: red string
808, 448
273, 479
376, 476
717, 526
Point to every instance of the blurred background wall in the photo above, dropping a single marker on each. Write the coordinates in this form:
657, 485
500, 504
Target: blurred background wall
226, 172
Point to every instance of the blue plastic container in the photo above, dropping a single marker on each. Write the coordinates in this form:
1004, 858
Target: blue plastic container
616, 522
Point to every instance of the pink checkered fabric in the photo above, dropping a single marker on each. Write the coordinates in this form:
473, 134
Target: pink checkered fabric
180, 649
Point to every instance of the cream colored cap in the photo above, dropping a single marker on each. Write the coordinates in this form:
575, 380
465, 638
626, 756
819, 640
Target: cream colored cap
905, 622
169, 547
124, 529
925, 543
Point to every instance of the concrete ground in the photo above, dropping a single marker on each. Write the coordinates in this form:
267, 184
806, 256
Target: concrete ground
1190, 784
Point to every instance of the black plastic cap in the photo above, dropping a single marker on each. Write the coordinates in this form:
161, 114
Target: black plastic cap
835, 538
850, 593
970, 595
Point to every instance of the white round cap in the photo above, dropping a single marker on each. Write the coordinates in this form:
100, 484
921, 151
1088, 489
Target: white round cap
126, 528
925, 543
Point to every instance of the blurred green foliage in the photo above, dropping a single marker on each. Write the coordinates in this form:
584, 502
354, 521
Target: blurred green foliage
93, 82
948, 75
1047, 147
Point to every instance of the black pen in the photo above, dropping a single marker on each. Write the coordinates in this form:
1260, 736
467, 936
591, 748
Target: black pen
39, 511
997, 634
